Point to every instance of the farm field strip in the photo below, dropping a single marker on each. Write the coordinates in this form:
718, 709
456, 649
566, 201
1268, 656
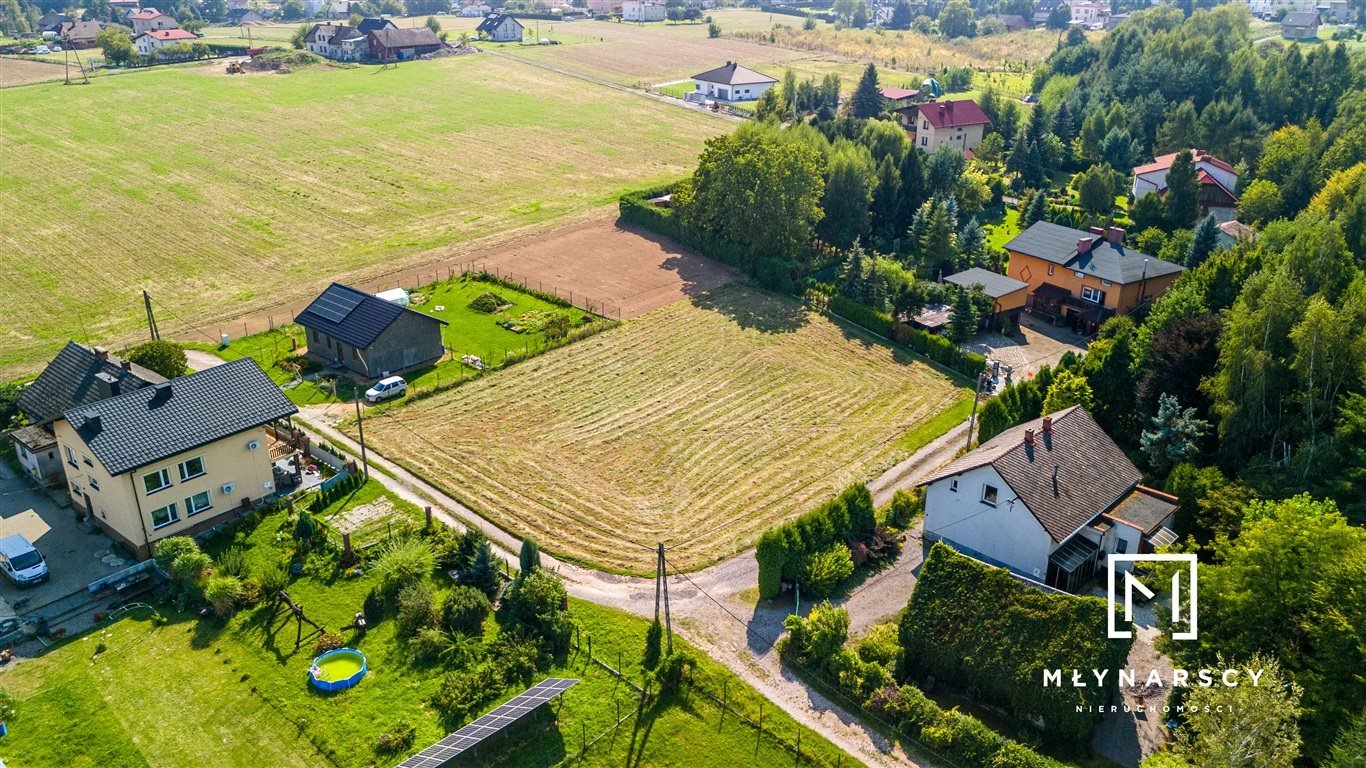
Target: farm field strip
684, 426
397, 168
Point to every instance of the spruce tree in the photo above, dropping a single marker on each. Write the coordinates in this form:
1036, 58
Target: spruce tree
972, 243
963, 322
1037, 209
1206, 242
938, 243
867, 100
886, 199
529, 559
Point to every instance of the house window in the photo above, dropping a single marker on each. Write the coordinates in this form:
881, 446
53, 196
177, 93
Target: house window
953, 485
924, 125
87, 460
1079, 274
191, 468
198, 503
159, 480
70, 455
1050, 268
1121, 546
164, 516
989, 494
924, 141
93, 482
1093, 295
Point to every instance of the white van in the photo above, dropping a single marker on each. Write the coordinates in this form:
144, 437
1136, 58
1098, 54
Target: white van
394, 386
21, 561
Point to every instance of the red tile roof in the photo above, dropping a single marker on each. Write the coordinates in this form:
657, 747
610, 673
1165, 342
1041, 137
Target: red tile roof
171, 34
1164, 162
954, 114
896, 94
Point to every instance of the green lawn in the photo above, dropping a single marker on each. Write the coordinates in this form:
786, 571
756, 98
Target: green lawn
1001, 227
935, 428
398, 167
202, 693
402, 516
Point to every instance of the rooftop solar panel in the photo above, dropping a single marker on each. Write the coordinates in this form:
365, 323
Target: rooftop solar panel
472, 734
335, 305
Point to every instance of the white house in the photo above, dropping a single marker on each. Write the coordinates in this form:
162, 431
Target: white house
501, 28
1218, 180
149, 19
1049, 499
960, 124
473, 11
732, 82
642, 10
339, 42
1089, 13
156, 39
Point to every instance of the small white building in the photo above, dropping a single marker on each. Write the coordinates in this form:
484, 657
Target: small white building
1218, 180
149, 19
338, 42
501, 28
149, 42
642, 10
1049, 499
1089, 13
732, 82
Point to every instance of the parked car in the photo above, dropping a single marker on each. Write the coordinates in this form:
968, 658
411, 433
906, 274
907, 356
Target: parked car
394, 386
56, 49
21, 561
42, 49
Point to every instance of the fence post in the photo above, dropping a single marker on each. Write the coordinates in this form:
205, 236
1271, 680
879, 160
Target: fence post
759, 733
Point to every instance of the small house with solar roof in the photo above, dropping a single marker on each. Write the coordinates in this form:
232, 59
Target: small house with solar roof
368, 336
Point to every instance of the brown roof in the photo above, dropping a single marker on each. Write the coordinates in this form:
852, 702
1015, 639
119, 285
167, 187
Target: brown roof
33, 438
953, 114
1093, 474
405, 38
1145, 508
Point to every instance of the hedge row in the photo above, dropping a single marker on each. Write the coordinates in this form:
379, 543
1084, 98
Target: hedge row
932, 345
782, 550
952, 734
324, 498
980, 630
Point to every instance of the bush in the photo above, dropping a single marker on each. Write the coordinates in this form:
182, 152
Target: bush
417, 609
223, 592
462, 694
328, 641
537, 602
482, 573
488, 302
402, 562
430, 645
820, 635
880, 645
167, 550
464, 610
674, 669
529, 559
907, 505
954, 735
304, 530
164, 357
782, 552
397, 739
823, 572
190, 567
272, 577
233, 562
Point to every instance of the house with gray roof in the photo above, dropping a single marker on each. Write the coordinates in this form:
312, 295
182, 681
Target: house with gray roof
78, 375
1006, 293
1049, 499
1301, 25
1082, 278
176, 457
359, 332
732, 82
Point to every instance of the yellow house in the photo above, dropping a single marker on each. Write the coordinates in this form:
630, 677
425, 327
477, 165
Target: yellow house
1083, 278
176, 458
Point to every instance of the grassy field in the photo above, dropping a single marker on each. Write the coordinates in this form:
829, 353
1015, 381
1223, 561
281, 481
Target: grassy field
207, 693
700, 424
237, 208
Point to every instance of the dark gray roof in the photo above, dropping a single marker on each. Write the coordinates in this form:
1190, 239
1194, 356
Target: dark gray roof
993, 284
370, 24
73, 378
1093, 473
1108, 261
733, 74
1145, 509
494, 21
353, 316
405, 38
1300, 19
157, 422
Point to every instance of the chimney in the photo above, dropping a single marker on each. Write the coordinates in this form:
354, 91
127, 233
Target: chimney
1048, 425
92, 421
163, 392
1115, 235
125, 365
1029, 437
1095, 230
101, 354
107, 383
1084, 244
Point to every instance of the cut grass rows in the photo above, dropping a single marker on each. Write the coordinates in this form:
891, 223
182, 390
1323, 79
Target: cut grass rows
699, 425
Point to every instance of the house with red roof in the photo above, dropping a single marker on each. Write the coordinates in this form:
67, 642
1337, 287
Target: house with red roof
149, 19
960, 124
1218, 182
155, 40
899, 98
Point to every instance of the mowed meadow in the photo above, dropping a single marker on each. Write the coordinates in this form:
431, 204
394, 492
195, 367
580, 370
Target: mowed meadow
700, 424
226, 194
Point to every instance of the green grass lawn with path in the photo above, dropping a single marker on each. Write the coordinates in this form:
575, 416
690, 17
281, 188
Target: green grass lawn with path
206, 692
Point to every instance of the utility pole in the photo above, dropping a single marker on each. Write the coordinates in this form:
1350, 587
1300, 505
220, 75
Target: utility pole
972, 419
151, 317
360, 432
662, 581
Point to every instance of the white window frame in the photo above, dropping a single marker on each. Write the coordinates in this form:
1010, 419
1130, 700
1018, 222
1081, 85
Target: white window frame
1095, 297
1050, 268
93, 482
995, 493
164, 474
953, 485
1078, 275
1106, 283
191, 509
70, 456
172, 516
181, 468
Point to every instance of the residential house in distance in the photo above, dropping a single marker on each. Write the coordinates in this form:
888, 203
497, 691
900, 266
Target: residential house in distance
339, 10
1008, 295
732, 82
338, 42
79, 34
1233, 232
1089, 13
1012, 22
149, 19
1042, 10
1301, 25
500, 28
371, 24
959, 124
239, 16
78, 375
899, 98
604, 7
642, 10
403, 44
1050, 500
123, 8
473, 11
150, 42
1218, 180
174, 458
370, 337
1084, 278
53, 21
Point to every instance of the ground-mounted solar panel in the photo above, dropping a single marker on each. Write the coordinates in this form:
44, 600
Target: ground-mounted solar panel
471, 735
335, 305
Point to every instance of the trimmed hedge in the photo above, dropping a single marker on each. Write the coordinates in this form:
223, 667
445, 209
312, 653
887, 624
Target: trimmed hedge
782, 551
979, 629
952, 734
931, 345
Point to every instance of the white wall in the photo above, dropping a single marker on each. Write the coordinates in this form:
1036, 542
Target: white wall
1007, 533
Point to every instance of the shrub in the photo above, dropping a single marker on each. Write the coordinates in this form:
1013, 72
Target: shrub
430, 645
465, 693
674, 669
820, 635
880, 645
403, 561
164, 357
167, 550
515, 659
823, 572
956, 736
397, 739
464, 610
417, 609
537, 602
488, 302
223, 592
272, 578
529, 559
305, 529
189, 567
783, 551
328, 641
907, 505
233, 562
482, 573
